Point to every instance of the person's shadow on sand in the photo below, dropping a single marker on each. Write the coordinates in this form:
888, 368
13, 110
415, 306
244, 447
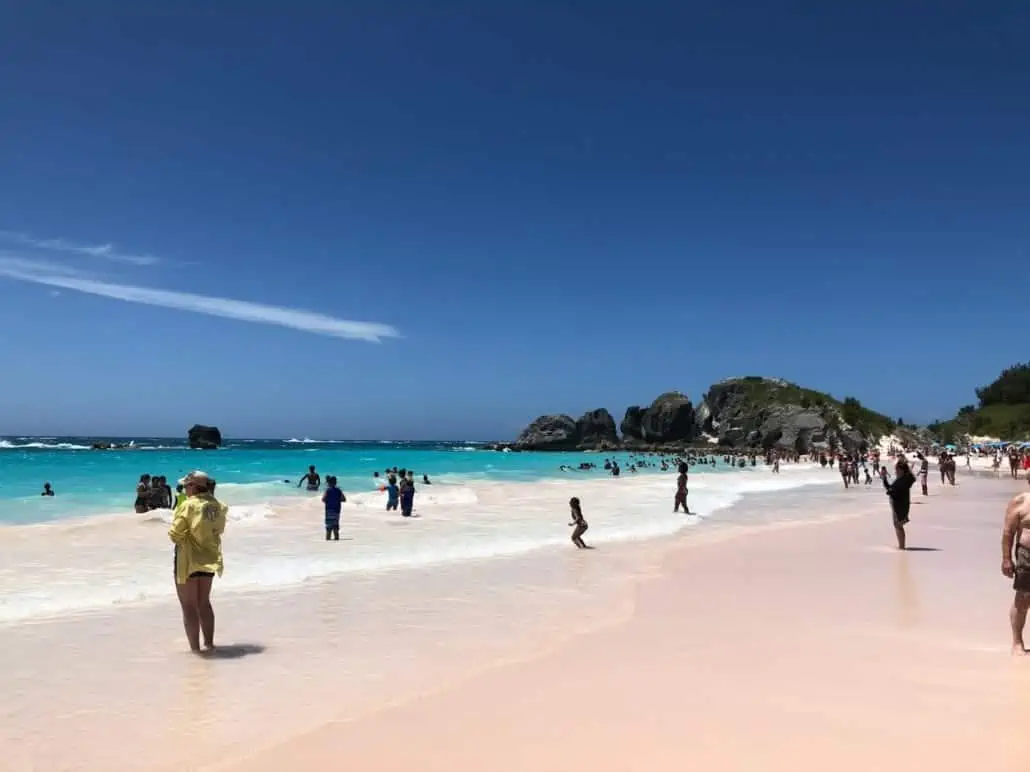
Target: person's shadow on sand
233, 651
922, 549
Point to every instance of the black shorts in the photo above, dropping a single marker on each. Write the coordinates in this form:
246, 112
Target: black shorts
194, 575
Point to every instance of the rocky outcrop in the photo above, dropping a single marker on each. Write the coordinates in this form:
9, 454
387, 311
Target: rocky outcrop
767, 413
632, 423
205, 437
596, 429
669, 420
549, 432
748, 413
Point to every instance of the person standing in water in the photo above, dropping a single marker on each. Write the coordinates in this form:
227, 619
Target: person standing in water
333, 499
407, 491
393, 494
143, 494
47, 490
899, 492
312, 479
1015, 564
579, 524
196, 532
681, 490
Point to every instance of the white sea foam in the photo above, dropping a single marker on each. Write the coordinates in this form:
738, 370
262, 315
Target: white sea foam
91, 564
8, 445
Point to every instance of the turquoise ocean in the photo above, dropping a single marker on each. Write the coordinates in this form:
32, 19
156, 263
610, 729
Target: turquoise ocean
249, 471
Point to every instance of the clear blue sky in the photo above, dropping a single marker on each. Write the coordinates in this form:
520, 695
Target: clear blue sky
557, 206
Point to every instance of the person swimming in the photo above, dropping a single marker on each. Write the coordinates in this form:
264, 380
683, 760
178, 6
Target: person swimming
333, 499
312, 479
47, 490
579, 523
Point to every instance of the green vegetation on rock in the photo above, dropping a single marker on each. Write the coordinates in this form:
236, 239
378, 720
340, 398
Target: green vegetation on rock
766, 392
1004, 410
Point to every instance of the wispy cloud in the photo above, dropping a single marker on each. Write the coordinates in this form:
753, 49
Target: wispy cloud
258, 313
102, 251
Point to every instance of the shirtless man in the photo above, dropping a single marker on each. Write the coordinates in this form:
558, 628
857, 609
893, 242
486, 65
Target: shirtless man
1015, 564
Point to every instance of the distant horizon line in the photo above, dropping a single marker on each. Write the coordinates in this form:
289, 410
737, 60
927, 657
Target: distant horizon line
296, 440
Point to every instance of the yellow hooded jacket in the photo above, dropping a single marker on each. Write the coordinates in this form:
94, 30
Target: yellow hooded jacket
196, 531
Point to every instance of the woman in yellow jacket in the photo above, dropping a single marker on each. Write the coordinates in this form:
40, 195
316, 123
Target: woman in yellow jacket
197, 534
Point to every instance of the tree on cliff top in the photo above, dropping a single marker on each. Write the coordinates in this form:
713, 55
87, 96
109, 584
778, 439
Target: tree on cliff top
1012, 387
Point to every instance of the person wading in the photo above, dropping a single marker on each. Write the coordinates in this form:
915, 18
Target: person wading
196, 531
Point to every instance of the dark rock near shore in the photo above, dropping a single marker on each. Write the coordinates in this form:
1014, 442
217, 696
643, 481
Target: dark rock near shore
205, 437
669, 419
549, 432
740, 413
596, 429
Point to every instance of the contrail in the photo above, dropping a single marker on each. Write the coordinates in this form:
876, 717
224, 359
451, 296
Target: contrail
243, 310
103, 251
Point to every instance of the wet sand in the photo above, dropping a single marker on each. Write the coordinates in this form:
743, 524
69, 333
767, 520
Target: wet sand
784, 633
790, 648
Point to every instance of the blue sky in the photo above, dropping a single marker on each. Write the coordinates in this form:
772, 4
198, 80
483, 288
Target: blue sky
555, 206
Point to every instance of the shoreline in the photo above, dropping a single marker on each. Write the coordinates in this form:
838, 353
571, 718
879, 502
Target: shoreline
351, 645
914, 654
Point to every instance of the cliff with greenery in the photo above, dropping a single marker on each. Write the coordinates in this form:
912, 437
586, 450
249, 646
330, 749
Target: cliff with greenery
1003, 410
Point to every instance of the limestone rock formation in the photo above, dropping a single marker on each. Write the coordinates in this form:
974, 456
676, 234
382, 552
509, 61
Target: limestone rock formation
768, 413
205, 437
549, 432
596, 429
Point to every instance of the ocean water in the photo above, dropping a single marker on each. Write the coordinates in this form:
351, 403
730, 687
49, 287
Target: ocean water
249, 472
85, 550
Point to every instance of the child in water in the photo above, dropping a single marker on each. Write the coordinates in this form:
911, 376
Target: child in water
392, 494
579, 523
333, 499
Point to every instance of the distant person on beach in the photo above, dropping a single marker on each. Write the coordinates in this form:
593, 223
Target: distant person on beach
845, 472
393, 494
333, 499
578, 523
1015, 564
196, 531
899, 493
47, 490
681, 490
312, 479
425, 480
924, 473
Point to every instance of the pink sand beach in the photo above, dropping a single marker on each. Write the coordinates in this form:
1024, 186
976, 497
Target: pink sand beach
792, 636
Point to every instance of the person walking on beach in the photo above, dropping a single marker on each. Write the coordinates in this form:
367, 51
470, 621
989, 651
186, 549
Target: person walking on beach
681, 490
333, 499
1015, 564
196, 532
579, 524
845, 472
312, 479
899, 493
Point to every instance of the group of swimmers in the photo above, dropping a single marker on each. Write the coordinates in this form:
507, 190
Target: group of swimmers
398, 485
